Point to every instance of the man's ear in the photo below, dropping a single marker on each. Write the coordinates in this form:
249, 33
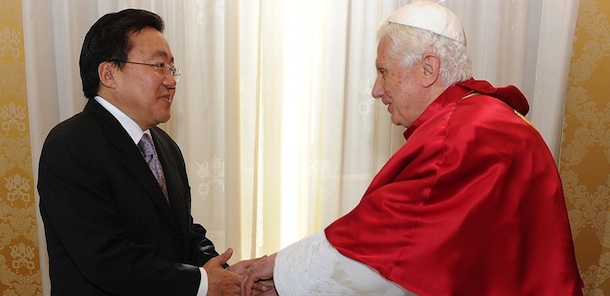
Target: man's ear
106, 72
431, 66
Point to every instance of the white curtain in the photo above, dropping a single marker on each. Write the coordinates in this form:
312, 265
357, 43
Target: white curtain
273, 112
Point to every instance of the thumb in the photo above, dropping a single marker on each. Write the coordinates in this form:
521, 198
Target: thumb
224, 257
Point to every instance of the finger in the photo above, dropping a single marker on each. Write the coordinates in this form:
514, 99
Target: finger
269, 283
259, 286
249, 262
271, 292
246, 286
224, 257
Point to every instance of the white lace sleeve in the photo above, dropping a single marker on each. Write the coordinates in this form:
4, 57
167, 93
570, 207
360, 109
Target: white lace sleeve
312, 266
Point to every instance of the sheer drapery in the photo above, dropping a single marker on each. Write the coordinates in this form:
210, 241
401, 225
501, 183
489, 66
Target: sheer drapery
273, 112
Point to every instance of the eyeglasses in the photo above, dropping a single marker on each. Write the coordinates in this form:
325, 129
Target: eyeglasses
160, 69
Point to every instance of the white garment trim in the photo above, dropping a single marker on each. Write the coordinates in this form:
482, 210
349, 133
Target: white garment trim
312, 266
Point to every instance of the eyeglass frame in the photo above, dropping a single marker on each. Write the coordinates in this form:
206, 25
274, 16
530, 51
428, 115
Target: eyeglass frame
173, 70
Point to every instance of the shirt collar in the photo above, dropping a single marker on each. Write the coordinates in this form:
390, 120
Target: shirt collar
132, 128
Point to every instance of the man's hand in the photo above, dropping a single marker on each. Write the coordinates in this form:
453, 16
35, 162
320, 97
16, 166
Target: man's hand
264, 288
225, 282
241, 267
260, 271
220, 280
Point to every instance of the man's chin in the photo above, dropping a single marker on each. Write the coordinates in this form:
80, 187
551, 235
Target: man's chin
163, 119
396, 121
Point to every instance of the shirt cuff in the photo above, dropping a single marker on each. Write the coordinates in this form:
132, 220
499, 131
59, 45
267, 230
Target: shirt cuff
203, 285
312, 266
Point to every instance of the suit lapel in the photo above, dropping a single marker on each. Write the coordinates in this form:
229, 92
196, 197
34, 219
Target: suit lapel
133, 162
172, 178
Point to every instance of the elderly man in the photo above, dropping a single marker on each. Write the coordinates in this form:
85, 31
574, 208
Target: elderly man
472, 203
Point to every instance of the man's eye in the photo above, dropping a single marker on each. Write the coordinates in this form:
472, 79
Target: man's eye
160, 65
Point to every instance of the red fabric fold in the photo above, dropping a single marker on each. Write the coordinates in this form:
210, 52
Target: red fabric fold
472, 204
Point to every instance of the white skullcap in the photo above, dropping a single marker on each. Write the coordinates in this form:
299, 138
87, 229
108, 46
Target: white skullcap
430, 16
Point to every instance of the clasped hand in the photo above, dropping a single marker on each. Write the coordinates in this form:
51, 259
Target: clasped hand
260, 272
227, 281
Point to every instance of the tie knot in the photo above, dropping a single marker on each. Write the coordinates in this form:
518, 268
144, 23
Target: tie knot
146, 147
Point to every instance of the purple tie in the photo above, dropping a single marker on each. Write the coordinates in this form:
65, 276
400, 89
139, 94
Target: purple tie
150, 155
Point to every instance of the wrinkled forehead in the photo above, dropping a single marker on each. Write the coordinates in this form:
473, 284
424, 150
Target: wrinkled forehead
383, 47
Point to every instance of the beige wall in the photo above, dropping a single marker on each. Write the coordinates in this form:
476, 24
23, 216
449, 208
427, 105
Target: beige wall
585, 151
19, 259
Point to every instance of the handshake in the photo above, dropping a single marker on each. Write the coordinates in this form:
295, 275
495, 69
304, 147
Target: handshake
246, 278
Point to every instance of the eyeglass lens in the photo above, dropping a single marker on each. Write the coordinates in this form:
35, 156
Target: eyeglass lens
167, 70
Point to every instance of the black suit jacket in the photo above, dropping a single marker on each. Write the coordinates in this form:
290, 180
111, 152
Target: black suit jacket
108, 227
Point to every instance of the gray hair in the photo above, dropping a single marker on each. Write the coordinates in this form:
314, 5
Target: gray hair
409, 44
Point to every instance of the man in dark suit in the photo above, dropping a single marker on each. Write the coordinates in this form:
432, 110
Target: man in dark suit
114, 225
